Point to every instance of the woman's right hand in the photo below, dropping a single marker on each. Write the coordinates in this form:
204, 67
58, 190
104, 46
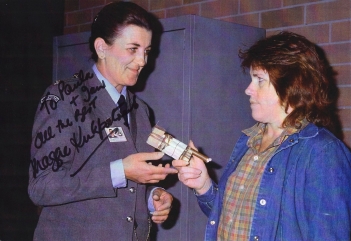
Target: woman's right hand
137, 169
195, 174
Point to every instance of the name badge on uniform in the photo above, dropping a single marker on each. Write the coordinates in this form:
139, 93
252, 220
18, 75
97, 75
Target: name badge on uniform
115, 134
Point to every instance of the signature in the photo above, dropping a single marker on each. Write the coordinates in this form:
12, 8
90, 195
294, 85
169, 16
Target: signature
42, 137
78, 140
53, 159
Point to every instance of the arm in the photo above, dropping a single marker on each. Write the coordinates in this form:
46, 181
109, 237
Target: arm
327, 193
195, 176
54, 159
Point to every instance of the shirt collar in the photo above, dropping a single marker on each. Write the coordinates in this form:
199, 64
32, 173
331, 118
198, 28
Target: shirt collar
257, 131
259, 128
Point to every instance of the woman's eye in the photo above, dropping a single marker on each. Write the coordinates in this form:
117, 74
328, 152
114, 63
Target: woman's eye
147, 51
260, 79
133, 50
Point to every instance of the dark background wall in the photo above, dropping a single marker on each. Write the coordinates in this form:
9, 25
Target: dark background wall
26, 31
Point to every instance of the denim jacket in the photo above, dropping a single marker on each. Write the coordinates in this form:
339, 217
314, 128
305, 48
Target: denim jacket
304, 194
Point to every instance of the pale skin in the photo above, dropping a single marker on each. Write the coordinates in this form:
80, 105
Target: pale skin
266, 108
120, 63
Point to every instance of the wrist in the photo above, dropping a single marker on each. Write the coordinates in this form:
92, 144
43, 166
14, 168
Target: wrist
207, 185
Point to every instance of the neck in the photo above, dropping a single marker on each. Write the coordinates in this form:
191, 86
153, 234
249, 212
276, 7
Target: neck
271, 131
119, 88
269, 135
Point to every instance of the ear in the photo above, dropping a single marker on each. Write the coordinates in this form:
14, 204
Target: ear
289, 110
100, 46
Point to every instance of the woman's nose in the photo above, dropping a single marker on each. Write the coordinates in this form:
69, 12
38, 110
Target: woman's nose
141, 60
248, 90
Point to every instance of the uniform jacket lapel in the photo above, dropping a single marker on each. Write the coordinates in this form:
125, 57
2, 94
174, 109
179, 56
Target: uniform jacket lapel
131, 102
106, 106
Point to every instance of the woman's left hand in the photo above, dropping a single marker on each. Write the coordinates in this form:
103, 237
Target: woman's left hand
162, 201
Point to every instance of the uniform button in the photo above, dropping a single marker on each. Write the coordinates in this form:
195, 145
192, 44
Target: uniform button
291, 140
132, 190
271, 169
256, 158
129, 219
263, 202
212, 222
256, 238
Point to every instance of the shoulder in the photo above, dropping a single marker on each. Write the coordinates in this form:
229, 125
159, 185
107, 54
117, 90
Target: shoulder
317, 134
321, 143
313, 133
63, 89
64, 93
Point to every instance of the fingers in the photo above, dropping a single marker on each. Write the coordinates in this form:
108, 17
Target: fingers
187, 177
158, 173
155, 197
163, 170
156, 194
159, 169
179, 163
162, 203
143, 156
189, 170
160, 216
152, 155
168, 165
138, 169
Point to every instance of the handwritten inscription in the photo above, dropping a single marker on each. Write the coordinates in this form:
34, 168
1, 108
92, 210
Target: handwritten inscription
73, 101
84, 111
41, 138
81, 139
53, 159
78, 140
48, 105
92, 90
61, 125
66, 89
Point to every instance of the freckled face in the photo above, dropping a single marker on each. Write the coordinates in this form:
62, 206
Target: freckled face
125, 58
264, 101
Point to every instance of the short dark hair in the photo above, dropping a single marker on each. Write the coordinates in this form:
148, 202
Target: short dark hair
297, 73
113, 18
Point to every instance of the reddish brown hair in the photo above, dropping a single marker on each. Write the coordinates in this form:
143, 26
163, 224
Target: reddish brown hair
297, 74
